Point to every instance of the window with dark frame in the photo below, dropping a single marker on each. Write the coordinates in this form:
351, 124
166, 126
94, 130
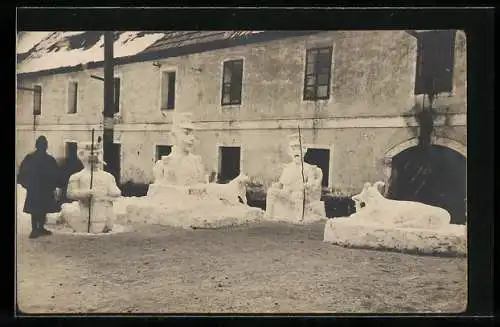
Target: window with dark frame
117, 94
435, 60
162, 150
232, 79
168, 90
318, 73
73, 98
37, 100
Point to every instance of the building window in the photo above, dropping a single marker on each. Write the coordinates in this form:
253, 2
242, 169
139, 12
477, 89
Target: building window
232, 82
317, 74
37, 100
168, 90
320, 158
117, 94
229, 163
162, 150
72, 97
435, 58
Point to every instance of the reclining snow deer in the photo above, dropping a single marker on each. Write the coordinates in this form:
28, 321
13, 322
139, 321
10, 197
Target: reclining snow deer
407, 214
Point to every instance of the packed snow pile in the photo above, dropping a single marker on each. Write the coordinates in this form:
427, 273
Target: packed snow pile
314, 212
189, 212
70, 221
349, 233
398, 225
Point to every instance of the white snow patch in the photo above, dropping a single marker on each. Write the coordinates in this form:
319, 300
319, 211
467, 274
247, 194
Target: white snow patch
351, 233
128, 44
30, 39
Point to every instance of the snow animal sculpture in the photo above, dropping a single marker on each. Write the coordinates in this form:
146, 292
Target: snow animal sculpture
404, 214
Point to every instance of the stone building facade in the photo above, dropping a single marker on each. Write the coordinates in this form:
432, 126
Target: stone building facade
361, 120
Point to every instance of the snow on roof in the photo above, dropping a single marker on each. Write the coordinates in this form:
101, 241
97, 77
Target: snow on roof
60, 50
29, 40
49, 50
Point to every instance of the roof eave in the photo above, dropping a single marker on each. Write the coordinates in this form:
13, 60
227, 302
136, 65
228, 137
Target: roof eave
176, 52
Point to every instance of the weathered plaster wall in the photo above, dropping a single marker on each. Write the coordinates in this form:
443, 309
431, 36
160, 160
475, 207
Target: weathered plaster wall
373, 75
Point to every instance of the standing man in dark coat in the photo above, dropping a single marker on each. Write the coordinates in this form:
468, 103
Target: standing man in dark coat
39, 175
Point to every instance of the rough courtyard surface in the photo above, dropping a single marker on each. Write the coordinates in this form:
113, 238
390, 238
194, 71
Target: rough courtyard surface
349, 232
186, 212
263, 268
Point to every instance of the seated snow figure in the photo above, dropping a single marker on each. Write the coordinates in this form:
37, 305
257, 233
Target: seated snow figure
399, 225
99, 198
285, 199
181, 196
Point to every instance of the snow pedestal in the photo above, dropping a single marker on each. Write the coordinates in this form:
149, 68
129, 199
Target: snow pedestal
72, 220
172, 207
284, 210
350, 233
398, 225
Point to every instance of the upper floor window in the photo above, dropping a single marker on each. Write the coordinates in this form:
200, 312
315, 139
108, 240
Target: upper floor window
232, 82
117, 92
72, 97
317, 74
435, 58
37, 100
167, 90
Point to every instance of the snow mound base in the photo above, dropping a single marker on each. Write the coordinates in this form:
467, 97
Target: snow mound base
450, 240
201, 214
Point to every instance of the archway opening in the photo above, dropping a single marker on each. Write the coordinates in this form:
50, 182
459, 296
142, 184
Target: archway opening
434, 175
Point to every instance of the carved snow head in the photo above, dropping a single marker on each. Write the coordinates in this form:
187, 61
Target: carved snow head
91, 155
294, 148
183, 131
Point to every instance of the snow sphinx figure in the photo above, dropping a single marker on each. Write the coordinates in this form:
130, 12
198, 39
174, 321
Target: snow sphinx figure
400, 225
93, 210
285, 199
181, 196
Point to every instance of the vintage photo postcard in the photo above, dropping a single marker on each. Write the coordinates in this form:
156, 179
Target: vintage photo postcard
241, 171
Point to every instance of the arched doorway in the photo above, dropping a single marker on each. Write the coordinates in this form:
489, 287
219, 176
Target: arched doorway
434, 175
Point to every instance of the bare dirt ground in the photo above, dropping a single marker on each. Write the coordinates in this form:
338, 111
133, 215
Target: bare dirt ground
265, 268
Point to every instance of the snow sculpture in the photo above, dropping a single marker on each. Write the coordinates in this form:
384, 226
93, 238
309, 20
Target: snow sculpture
399, 225
285, 199
96, 201
181, 196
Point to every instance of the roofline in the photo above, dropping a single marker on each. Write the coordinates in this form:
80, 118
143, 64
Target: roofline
176, 52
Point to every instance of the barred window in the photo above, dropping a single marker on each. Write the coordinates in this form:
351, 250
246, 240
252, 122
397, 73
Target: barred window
37, 100
232, 82
117, 91
72, 97
168, 90
318, 73
435, 60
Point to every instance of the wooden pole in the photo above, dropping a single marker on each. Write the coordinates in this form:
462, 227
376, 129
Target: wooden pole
91, 176
109, 98
303, 178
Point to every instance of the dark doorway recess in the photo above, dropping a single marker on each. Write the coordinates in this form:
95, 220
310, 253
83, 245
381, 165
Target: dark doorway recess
112, 159
229, 163
320, 158
433, 175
